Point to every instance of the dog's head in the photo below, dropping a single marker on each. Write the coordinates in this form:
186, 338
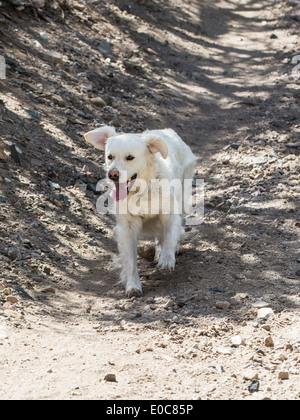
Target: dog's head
127, 156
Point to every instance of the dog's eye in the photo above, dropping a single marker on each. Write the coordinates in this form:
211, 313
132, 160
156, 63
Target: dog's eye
110, 157
130, 157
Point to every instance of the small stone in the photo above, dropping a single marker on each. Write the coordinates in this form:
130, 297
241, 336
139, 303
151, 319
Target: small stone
6, 291
249, 375
237, 341
254, 386
11, 299
58, 100
61, 200
282, 357
53, 185
48, 290
216, 290
53, 56
98, 102
39, 3
222, 304
260, 304
79, 6
13, 253
266, 327
283, 375
111, 377
264, 313
269, 341
46, 270
44, 36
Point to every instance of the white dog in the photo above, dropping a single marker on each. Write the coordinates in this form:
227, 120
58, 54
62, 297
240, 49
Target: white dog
137, 163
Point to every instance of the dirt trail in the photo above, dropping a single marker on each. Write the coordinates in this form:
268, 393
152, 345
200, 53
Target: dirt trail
220, 74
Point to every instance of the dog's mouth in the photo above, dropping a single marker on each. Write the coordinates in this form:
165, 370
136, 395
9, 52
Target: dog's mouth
122, 189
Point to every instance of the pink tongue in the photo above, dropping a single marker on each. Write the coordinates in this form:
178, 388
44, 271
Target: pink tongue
119, 191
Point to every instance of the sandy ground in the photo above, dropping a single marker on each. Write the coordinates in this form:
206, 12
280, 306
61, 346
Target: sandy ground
226, 323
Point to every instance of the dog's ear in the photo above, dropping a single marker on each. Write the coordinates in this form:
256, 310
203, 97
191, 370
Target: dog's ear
157, 144
98, 137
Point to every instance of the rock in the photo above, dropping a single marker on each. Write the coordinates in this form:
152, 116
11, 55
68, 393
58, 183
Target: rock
273, 36
58, 100
98, 102
264, 313
48, 290
222, 304
111, 377
249, 375
260, 304
237, 341
46, 270
79, 6
84, 115
216, 290
150, 51
283, 375
13, 253
44, 36
53, 56
39, 3
53, 185
2, 199
254, 386
259, 351
11, 299
61, 200
269, 341
6, 291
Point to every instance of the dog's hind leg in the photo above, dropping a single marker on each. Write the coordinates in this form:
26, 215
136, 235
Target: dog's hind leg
157, 249
172, 229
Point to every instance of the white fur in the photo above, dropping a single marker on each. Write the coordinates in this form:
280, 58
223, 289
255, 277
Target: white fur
158, 154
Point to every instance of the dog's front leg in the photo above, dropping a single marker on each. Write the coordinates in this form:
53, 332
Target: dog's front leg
170, 239
127, 236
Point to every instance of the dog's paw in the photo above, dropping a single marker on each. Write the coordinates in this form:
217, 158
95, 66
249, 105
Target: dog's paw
134, 292
166, 263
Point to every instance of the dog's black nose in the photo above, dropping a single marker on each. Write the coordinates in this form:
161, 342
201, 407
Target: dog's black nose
114, 175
